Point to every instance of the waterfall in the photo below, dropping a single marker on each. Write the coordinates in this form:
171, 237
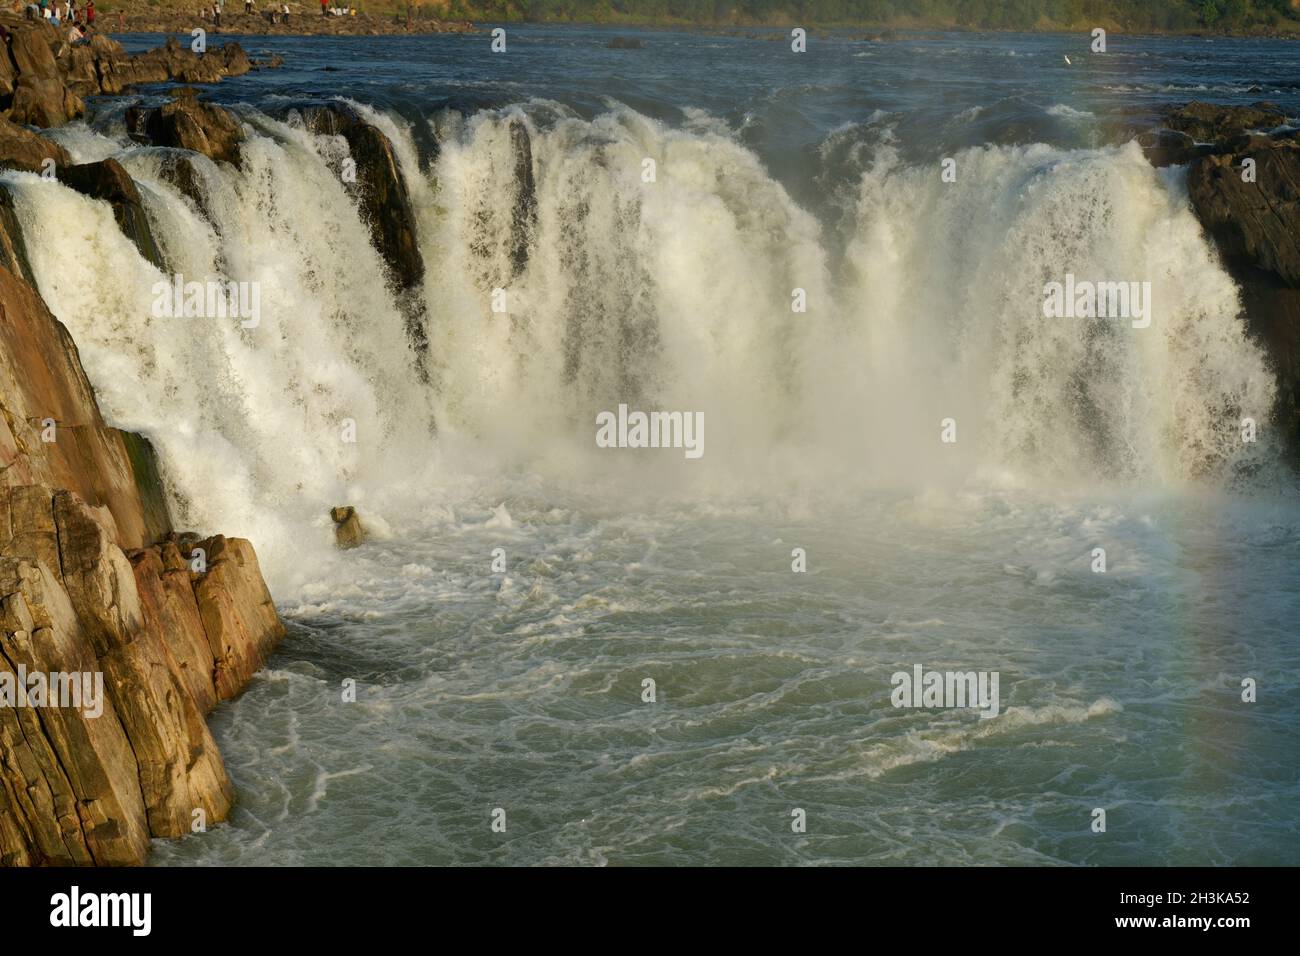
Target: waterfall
664, 292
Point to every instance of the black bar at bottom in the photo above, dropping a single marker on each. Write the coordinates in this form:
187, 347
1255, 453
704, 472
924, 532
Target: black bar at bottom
333, 906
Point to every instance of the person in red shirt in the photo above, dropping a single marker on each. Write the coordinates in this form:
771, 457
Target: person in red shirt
90, 12
324, 8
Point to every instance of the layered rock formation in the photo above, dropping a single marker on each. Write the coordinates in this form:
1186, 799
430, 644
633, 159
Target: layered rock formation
92, 581
1244, 182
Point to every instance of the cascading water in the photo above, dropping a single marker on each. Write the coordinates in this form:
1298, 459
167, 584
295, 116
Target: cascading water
670, 294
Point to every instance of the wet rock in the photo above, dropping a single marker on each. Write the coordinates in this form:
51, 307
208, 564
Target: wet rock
383, 196
13, 251
1217, 123
524, 214
180, 170
1256, 223
20, 148
1168, 147
188, 123
107, 180
348, 532
1256, 227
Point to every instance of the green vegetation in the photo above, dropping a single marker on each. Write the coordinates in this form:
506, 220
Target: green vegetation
1175, 15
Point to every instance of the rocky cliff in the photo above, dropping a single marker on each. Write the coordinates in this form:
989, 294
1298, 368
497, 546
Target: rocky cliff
93, 579
1243, 179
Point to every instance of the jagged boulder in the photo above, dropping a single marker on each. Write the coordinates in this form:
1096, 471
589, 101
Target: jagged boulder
107, 180
69, 782
40, 97
188, 123
20, 148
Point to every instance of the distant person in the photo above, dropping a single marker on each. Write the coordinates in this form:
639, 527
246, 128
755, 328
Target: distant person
324, 8
90, 13
216, 14
248, 7
284, 13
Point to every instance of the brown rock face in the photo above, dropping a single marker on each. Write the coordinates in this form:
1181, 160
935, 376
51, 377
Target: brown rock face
22, 149
90, 782
40, 97
41, 381
187, 123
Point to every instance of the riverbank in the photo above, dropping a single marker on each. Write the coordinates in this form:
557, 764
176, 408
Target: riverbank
296, 24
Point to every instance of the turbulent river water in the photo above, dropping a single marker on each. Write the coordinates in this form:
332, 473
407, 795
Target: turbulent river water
522, 689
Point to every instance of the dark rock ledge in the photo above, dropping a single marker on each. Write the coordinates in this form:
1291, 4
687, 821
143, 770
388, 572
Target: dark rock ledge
1255, 224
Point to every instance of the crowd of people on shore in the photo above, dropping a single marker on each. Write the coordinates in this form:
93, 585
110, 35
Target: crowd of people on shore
65, 13
275, 12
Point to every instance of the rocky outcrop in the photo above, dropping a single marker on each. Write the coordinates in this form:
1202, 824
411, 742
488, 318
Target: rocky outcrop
382, 193
1215, 123
40, 95
170, 62
20, 148
1243, 180
107, 180
94, 584
188, 123
1255, 220
44, 78
524, 216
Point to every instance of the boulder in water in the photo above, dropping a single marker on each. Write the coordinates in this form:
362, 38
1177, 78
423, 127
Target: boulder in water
384, 199
107, 180
348, 532
524, 220
188, 123
20, 148
1217, 123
